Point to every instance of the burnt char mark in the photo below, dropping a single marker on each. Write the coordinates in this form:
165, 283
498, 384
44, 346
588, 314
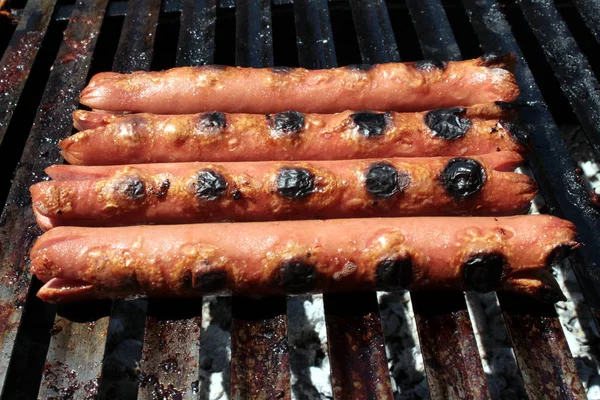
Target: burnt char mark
297, 276
518, 134
430, 65
550, 295
447, 123
210, 185
384, 180
295, 183
163, 189
497, 60
370, 124
506, 106
483, 272
212, 121
558, 254
131, 187
236, 194
360, 67
211, 281
394, 274
463, 177
286, 122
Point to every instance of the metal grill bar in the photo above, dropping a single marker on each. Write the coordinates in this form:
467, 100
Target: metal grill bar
569, 65
590, 13
18, 58
544, 358
374, 31
52, 122
259, 343
171, 352
354, 333
552, 165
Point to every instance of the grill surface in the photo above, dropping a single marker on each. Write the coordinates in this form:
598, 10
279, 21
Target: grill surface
151, 349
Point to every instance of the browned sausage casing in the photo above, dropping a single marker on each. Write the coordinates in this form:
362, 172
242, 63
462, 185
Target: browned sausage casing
201, 192
260, 259
419, 86
112, 139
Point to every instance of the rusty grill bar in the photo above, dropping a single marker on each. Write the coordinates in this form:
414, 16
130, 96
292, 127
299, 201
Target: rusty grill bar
150, 348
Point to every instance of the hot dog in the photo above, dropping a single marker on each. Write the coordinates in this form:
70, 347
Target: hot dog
260, 259
214, 136
201, 192
414, 86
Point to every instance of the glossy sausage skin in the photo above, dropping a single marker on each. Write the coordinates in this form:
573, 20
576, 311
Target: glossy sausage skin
202, 192
261, 259
111, 139
395, 86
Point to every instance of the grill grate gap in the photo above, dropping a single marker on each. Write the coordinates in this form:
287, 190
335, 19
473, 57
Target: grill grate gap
225, 36
463, 32
284, 36
167, 33
344, 33
404, 32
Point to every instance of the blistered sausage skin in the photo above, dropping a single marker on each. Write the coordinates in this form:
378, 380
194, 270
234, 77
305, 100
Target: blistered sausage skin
214, 136
268, 258
419, 86
203, 192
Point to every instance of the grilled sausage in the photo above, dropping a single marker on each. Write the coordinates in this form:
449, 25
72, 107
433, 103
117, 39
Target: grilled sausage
260, 259
213, 136
418, 86
200, 192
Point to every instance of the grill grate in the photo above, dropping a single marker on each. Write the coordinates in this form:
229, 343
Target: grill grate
92, 351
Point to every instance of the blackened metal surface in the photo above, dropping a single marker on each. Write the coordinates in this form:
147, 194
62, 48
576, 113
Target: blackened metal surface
356, 347
260, 365
312, 24
544, 358
553, 167
254, 41
259, 343
436, 39
196, 45
463, 366
171, 350
52, 122
374, 31
19, 56
590, 13
171, 353
449, 348
127, 318
570, 66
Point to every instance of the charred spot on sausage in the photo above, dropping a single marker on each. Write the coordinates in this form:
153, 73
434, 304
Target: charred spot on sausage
297, 276
516, 132
211, 281
210, 185
558, 254
430, 65
163, 188
360, 67
370, 124
287, 122
384, 180
483, 272
212, 121
295, 183
505, 105
132, 187
447, 123
463, 177
236, 194
394, 273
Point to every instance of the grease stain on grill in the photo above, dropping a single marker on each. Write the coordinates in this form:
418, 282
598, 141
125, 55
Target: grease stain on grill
447, 123
212, 122
483, 272
295, 183
370, 124
170, 365
383, 180
210, 185
394, 273
285, 123
160, 391
297, 276
430, 65
463, 177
